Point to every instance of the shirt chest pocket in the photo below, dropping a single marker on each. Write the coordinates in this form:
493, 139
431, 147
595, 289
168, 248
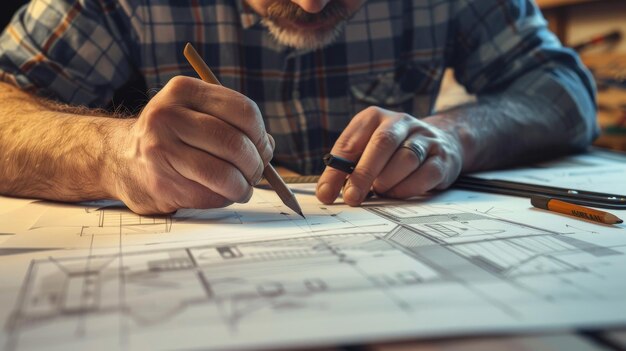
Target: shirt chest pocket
407, 87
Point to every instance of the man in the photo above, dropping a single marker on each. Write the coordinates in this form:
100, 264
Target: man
354, 77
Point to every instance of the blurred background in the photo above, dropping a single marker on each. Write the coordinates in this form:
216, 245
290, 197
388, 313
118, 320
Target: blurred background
595, 28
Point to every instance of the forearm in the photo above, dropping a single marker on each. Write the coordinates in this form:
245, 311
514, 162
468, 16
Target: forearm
511, 129
51, 152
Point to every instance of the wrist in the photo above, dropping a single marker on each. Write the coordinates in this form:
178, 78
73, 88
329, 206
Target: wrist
115, 138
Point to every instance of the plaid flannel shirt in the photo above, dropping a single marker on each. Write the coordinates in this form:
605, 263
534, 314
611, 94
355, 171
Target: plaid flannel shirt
391, 54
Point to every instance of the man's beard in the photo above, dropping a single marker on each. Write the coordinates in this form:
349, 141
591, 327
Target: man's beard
332, 17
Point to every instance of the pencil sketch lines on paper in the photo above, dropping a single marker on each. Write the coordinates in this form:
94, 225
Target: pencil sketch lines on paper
232, 282
232, 287
495, 245
116, 222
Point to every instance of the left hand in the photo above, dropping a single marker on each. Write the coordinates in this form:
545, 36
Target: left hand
375, 138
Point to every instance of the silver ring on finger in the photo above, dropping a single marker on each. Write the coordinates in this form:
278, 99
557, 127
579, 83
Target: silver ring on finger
416, 148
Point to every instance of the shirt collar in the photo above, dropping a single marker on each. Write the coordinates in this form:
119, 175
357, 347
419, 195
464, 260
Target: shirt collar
248, 17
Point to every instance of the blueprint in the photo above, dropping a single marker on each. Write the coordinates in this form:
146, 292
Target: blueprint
257, 275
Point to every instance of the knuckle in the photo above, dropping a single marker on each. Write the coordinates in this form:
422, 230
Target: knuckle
250, 107
373, 111
234, 142
386, 139
347, 146
180, 85
407, 118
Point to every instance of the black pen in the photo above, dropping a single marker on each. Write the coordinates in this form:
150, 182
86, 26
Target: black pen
579, 197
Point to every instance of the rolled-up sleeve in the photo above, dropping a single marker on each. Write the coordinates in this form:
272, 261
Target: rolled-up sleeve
503, 49
74, 51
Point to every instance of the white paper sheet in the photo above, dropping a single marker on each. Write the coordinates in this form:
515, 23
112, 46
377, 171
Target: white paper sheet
255, 275
603, 172
17, 215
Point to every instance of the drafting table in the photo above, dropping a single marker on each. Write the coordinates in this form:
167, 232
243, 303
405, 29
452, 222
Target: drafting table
459, 270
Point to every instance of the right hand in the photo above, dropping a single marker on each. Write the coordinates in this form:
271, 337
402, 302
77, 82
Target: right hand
195, 145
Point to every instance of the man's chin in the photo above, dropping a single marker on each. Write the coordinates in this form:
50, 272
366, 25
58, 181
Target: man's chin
306, 38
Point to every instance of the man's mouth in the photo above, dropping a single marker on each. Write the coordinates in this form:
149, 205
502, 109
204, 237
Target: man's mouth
290, 16
296, 24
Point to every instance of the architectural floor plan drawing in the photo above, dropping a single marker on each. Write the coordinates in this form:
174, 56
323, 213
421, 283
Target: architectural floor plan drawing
112, 223
344, 275
106, 224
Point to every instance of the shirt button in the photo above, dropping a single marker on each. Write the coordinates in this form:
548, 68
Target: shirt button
296, 95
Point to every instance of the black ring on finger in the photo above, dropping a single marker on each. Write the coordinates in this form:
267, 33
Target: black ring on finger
339, 163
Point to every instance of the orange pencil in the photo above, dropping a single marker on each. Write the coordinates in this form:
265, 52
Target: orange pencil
570, 209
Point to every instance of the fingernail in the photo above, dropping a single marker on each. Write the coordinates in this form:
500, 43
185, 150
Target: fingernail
353, 194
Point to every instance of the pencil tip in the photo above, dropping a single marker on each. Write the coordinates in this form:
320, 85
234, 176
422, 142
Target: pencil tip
619, 221
301, 215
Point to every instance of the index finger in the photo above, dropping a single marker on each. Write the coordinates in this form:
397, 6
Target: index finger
379, 150
350, 145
